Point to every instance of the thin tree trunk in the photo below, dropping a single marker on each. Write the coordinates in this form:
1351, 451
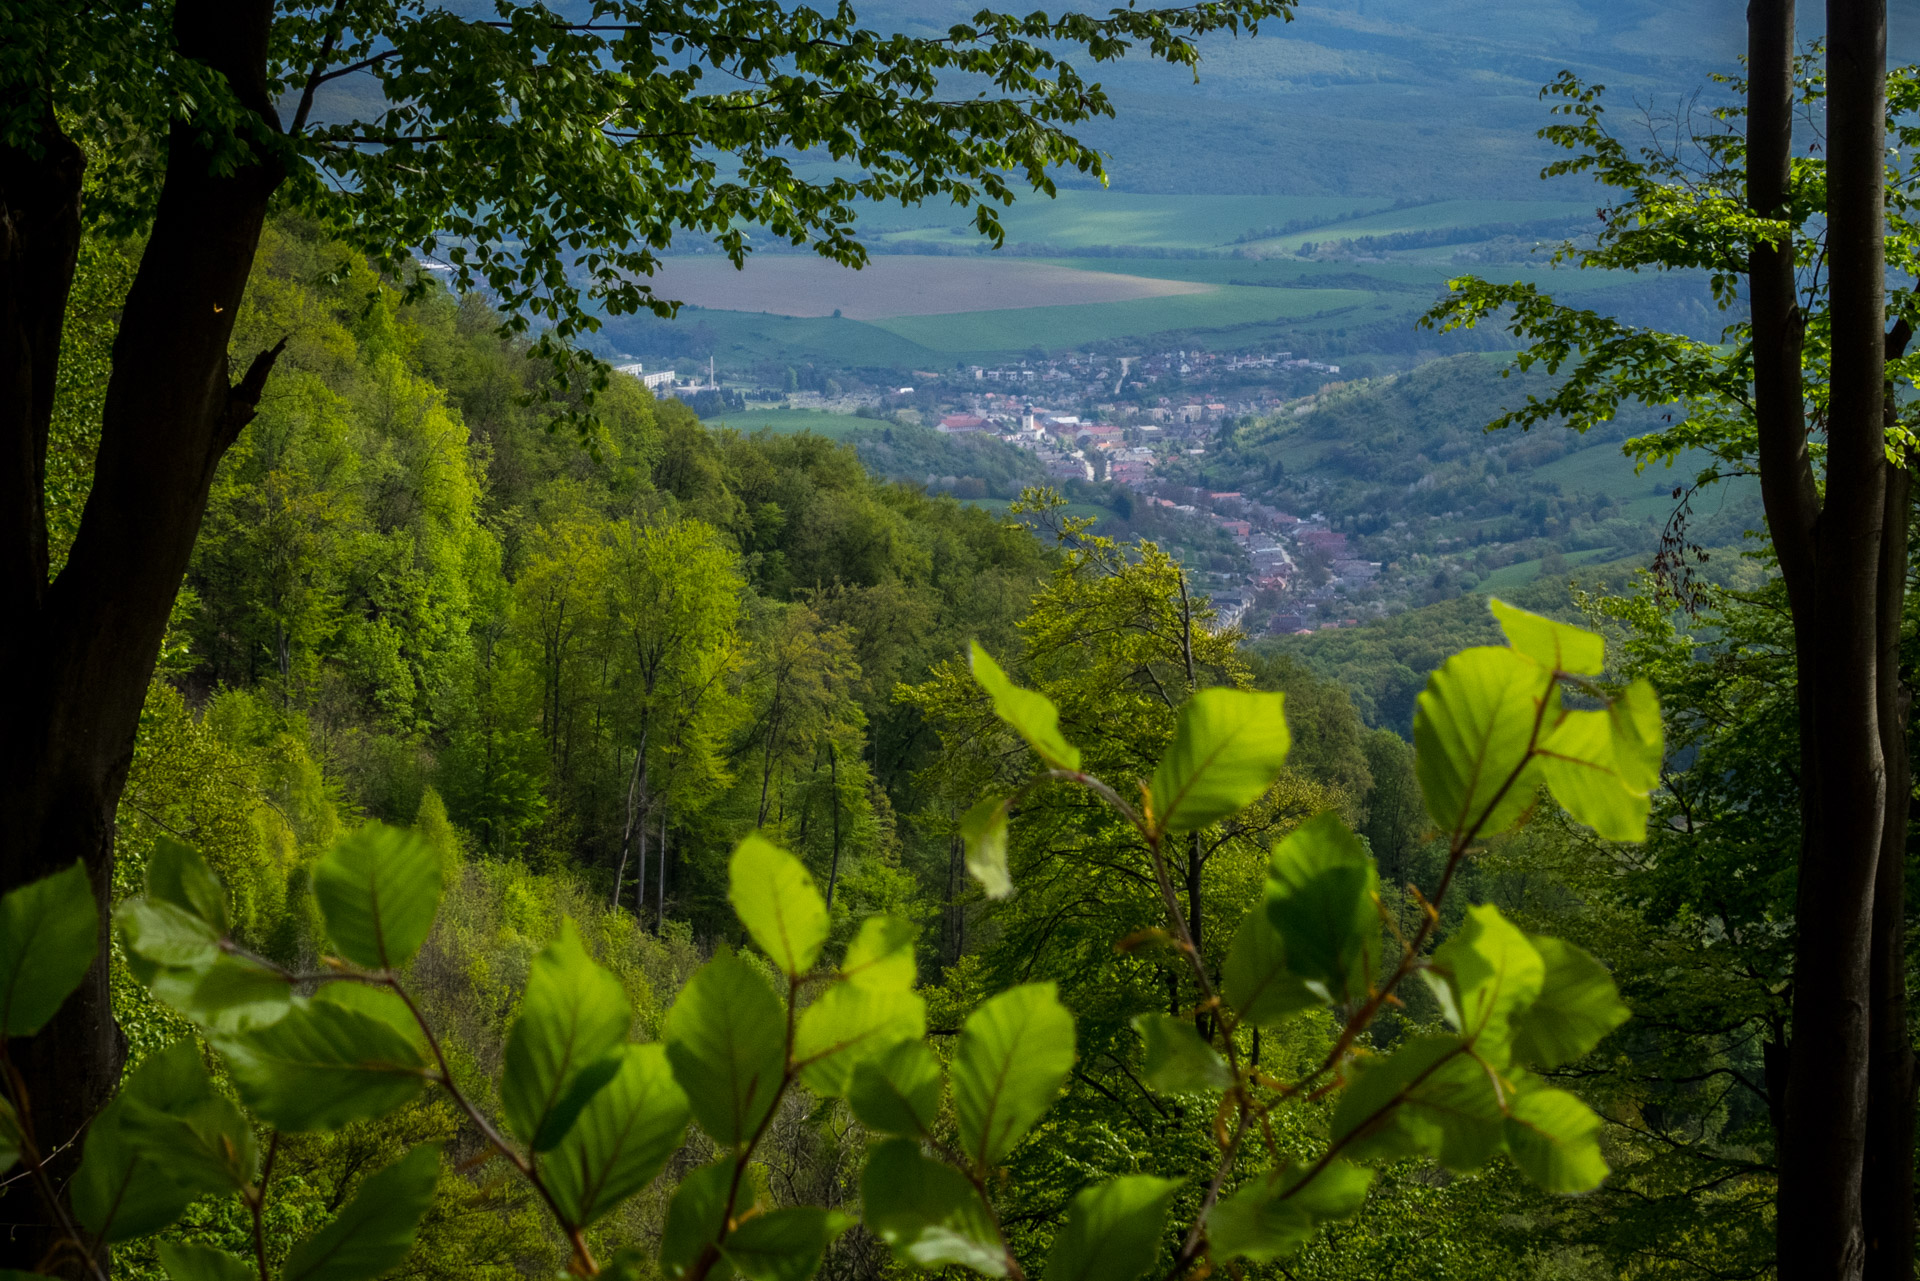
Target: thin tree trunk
660, 921
1887, 1174
82, 649
634, 785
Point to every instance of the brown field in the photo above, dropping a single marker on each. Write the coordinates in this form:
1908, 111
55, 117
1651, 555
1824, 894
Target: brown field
898, 285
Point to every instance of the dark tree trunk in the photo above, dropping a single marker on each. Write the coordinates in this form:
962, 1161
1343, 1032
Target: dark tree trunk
1839, 637
1887, 1177
82, 649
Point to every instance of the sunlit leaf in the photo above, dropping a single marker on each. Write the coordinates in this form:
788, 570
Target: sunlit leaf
1428, 1098
1229, 746
1555, 1140
1015, 1053
124, 1188
847, 1024
573, 1013
697, 1215
724, 1038
1577, 1006
177, 874
1474, 729
1484, 975
1556, 646
776, 899
881, 954
622, 1137
983, 830
897, 1091
378, 889
204, 1263
1323, 901
1032, 714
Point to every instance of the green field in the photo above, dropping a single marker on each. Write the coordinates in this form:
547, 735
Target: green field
1058, 327
1085, 219
1441, 213
787, 422
1522, 572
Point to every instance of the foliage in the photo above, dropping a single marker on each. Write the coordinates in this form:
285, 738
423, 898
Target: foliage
548, 160
588, 1118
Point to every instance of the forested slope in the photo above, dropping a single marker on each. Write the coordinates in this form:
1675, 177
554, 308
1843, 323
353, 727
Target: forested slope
582, 669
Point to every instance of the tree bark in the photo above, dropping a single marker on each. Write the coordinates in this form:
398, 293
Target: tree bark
1824, 1148
1887, 1173
82, 649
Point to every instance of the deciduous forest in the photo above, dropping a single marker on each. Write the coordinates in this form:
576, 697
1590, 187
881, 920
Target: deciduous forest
463, 817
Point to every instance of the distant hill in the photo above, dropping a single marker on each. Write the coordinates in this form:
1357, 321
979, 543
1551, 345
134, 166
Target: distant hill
1392, 98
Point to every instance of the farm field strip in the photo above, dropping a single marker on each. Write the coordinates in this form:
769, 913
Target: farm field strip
897, 285
1068, 326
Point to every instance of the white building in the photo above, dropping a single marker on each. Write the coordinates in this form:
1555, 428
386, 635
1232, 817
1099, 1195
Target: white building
653, 381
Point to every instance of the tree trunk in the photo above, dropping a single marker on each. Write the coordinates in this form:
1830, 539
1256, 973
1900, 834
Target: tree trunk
1887, 1175
82, 649
1825, 1145
833, 776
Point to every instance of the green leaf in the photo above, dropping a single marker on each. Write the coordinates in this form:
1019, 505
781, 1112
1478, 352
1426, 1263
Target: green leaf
1558, 647
725, 1039
1031, 714
784, 1245
1429, 1098
207, 1142
1178, 1061
776, 899
622, 1138
228, 997
1474, 731
374, 1231
983, 829
1323, 900
847, 1024
49, 932
1274, 1215
381, 1003
927, 1211
378, 889
697, 1216
1259, 986
203, 1263
178, 875
1484, 975
1229, 745
1577, 1006
1555, 1140
123, 1188
163, 934
322, 1066
1602, 765
1015, 1053
573, 1013
897, 1091
1112, 1232
881, 954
